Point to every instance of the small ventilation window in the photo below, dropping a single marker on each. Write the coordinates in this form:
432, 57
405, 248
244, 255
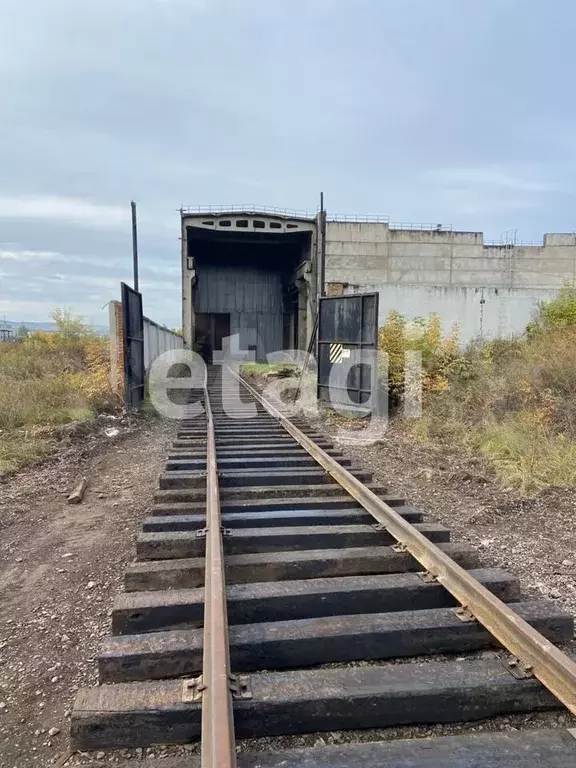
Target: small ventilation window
225, 223
242, 223
275, 225
208, 223
291, 226
258, 224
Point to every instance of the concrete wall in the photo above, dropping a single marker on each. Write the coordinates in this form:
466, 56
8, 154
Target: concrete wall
485, 312
158, 339
488, 290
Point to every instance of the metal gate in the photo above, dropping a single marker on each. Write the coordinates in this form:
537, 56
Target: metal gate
133, 344
347, 346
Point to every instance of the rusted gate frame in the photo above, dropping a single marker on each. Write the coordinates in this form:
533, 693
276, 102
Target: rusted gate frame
535, 654
218, 741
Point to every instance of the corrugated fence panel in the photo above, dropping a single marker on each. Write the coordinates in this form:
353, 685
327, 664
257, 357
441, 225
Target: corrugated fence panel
230, 289
158, 339
254, 299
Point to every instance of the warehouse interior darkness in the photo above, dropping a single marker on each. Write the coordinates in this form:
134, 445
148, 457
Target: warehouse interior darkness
252, 277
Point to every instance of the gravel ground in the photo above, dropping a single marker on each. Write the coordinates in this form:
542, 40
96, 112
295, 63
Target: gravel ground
535, 539
60, 566
57, 588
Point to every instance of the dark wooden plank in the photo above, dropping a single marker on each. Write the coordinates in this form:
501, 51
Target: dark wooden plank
273, 518
376, 696
276, 566
248, 462
511, 749
277, 476
137, 612
270, 493
164, 545
545, 748
327, 502
310, 642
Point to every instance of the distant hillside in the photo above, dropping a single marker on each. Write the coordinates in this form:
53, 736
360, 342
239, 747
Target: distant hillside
32, 326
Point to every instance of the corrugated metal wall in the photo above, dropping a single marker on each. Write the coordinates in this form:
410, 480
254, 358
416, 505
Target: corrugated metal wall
253, 297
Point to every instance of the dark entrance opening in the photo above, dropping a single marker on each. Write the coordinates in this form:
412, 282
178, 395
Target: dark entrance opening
211, 329
245, 284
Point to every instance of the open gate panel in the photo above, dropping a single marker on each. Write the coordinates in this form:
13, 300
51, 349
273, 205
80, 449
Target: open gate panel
347, 345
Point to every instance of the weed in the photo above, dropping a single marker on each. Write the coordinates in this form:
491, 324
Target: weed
47, 379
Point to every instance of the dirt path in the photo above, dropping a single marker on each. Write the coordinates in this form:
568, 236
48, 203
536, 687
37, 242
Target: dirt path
60, 567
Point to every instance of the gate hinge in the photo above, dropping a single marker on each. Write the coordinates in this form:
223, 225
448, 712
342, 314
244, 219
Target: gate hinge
463, 613
240, 687
427, 577
517, 668
192, 689
400, 547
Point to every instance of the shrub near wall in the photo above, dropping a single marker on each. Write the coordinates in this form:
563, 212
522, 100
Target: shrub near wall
512, 401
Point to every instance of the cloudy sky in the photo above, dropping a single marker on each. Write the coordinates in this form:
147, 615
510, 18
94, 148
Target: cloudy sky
426, 110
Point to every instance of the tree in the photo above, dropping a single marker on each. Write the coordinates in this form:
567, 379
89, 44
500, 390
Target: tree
21, 332
69, 326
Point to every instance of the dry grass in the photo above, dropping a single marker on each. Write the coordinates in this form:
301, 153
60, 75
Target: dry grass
511, 401
49, 379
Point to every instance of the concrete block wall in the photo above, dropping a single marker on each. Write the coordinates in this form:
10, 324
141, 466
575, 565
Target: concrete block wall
487, 289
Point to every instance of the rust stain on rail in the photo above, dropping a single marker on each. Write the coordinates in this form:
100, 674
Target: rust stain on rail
218, 741
535, 653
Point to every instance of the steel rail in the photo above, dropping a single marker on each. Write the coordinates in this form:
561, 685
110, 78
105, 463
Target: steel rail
218, 745
535, 655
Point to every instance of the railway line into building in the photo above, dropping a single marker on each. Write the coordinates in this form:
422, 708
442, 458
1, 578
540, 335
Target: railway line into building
277, 590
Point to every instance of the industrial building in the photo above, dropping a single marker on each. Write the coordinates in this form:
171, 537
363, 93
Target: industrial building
258, 273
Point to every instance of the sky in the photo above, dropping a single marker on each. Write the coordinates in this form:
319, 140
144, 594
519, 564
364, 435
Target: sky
441, 111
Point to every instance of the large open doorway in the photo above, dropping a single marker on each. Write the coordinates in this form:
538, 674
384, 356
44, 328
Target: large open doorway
251, 279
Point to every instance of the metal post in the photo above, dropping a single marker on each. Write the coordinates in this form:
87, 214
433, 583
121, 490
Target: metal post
134, 244
323, 245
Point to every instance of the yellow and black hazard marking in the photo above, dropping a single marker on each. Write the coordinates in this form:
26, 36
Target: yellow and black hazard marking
336, 353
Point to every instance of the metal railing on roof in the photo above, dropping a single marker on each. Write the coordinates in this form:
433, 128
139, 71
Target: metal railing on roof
514, 244
382, 218
247, 208
357, 217
426, 227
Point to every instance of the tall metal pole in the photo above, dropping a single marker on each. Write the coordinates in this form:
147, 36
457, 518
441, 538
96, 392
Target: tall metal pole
134, 244
323, 245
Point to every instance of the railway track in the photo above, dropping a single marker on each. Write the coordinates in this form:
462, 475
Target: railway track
278, 591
